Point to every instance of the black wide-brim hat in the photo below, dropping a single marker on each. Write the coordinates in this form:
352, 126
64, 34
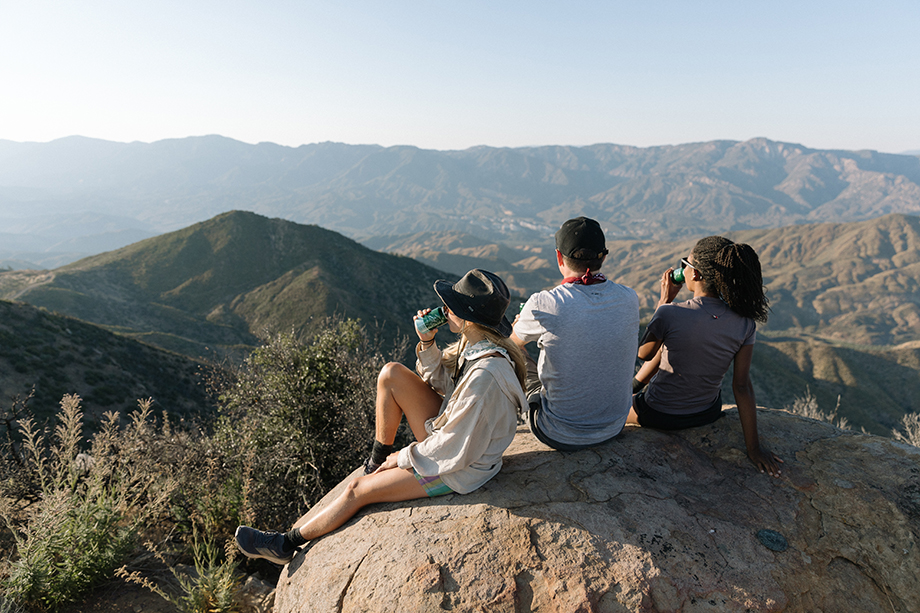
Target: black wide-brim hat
480, 297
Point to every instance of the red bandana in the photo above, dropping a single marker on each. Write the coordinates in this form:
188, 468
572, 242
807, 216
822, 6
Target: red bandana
587, 279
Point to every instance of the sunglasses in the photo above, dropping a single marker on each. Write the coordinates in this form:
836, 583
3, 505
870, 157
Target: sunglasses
684, 263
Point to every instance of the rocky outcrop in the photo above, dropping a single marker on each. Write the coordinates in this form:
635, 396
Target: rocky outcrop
651, 522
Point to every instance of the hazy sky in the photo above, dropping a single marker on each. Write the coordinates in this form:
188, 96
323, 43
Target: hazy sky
450, 75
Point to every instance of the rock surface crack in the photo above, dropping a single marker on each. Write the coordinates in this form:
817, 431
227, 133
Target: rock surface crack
341, 602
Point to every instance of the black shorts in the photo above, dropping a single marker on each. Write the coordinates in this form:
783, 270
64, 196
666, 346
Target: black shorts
650, 418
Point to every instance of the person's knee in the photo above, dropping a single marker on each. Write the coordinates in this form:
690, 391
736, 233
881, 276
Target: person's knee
392, 371
353, 489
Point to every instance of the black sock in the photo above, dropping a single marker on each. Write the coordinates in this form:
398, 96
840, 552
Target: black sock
380, 452
293, 538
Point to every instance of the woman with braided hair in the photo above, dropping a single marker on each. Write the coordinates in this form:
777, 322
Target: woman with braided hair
691, 345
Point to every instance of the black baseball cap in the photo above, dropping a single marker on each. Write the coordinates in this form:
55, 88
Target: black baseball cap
581, 233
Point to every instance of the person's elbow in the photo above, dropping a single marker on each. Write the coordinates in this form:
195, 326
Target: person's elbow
743, 388
648, 350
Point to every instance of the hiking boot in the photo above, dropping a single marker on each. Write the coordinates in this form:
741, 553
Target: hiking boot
269, 545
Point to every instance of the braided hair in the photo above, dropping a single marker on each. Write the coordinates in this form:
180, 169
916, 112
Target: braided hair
732, 270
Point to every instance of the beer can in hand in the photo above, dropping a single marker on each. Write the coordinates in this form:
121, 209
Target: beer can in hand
677, 276
428, 322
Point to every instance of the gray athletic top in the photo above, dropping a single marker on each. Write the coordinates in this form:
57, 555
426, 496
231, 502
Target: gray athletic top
701, 337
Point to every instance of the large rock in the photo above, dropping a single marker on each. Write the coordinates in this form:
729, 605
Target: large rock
651, 522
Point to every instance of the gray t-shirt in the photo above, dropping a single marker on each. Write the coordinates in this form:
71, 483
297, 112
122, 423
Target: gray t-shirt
588, 338
701, 337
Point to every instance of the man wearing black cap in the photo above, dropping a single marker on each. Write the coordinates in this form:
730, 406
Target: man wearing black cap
587, 330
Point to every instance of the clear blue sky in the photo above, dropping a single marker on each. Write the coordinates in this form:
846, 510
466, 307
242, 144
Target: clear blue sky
450, 75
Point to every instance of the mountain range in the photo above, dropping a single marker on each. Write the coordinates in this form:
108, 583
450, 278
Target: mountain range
515, 196
844, 296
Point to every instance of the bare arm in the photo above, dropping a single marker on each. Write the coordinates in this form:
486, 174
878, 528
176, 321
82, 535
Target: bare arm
514, 337
743, 389
648, 370
651, 346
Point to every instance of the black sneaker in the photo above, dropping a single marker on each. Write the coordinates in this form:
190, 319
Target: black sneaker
269, 545
370, 466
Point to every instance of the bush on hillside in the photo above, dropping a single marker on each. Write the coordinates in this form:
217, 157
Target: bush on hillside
82, 518
75, 510
212, 586
292, 421
299, 416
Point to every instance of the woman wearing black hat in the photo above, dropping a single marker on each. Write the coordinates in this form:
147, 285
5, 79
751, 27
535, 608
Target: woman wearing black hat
462, 407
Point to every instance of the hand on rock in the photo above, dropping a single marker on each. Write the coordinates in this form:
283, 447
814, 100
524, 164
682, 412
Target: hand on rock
766, 461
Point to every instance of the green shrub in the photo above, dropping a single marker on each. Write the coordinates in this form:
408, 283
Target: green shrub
208, 494
215, 585
299, 416
87, 508
212, 587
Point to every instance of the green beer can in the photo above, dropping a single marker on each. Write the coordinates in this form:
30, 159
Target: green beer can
431, 320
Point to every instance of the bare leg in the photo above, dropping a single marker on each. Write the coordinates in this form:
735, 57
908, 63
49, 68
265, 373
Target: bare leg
402, 392
391, 485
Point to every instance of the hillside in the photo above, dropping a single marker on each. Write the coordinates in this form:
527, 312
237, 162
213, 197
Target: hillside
61, 355
216, 285
514, 196
873, 387
848, 282
525, 269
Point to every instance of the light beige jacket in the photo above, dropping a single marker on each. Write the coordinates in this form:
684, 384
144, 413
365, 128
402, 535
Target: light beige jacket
475, 425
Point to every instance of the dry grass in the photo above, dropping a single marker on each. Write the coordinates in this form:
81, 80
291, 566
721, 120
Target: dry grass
910, 430
807, 406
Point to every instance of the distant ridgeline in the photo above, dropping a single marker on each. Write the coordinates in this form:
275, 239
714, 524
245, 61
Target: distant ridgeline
845, 296
79, 195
